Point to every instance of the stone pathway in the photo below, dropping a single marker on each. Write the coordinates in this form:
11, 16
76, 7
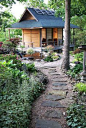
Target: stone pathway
49, 110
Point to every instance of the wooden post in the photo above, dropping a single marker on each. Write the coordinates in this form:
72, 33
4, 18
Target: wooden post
62, 36
84, 61
23, 37
9, 34
73, 36
41, 41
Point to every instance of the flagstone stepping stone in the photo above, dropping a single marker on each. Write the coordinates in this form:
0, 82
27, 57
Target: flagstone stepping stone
45, 67
57, 92
59, 84
53, 114
55, 73
60, 88
52, 104
58, 77
44, 123
59, 80
54, 97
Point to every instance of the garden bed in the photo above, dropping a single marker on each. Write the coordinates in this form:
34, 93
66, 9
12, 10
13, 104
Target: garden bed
20, 85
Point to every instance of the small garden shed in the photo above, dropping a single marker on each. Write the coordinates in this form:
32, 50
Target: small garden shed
41, 28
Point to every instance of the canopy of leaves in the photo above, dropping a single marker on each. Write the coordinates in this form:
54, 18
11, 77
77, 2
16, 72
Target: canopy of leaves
8, 3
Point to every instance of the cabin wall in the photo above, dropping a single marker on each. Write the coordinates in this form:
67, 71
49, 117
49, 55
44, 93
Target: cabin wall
55, 34
31, 36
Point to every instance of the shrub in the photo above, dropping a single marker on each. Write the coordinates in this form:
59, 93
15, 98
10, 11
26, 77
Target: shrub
76, 116
79, 57
48, 59
75, 71
30, 51
81, 87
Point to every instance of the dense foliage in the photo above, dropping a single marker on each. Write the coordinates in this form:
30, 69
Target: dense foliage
77, 69
76, 116
17, 92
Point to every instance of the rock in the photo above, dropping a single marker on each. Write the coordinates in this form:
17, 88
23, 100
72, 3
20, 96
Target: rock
59, 84
59, 80
54, 97
57, 92
60, 88
53, 114
55, 73
52, 104
42, 123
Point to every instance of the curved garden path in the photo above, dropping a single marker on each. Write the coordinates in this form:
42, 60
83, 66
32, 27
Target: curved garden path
49, 110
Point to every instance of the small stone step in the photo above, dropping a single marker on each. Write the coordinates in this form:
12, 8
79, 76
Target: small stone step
54, 97
59, 84
52, 104
57, 92
55, 73
44, 123
53, 114
60, 88
58, 77
59, 80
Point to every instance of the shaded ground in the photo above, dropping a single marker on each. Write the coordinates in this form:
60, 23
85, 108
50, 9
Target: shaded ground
49, 110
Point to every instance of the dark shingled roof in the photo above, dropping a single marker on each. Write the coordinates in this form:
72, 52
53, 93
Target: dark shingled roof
42, 20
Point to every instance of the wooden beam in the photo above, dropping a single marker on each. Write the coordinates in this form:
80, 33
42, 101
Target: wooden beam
9, 33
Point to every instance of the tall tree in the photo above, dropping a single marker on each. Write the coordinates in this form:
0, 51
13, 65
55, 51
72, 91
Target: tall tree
65, 63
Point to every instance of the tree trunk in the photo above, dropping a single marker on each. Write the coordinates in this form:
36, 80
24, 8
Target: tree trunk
65, 63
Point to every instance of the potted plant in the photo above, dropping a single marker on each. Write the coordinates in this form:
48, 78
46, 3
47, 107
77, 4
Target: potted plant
30, 52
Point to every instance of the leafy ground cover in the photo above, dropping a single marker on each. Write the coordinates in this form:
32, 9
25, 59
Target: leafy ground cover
77, 69
76, 113
18, 89
51, 57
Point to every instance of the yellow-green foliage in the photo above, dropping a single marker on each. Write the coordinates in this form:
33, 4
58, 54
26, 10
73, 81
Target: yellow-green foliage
81, 87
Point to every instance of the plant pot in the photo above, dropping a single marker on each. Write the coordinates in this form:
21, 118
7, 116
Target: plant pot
31, 58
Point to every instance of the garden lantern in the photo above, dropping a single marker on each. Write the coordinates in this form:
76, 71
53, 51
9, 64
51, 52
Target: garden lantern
83, 78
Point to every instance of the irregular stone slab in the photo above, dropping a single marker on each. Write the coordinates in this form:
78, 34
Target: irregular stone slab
53, 114
52, 104
59, 84
59, 80
58, 77
54, 97
55, 73
42, 123
60, 88
52, 71
57, 92
45, 67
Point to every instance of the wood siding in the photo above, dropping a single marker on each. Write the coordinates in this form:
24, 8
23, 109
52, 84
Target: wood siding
31, 35
27, 16
44, 33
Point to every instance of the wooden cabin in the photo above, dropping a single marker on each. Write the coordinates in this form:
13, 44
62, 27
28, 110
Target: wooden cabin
41, 28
